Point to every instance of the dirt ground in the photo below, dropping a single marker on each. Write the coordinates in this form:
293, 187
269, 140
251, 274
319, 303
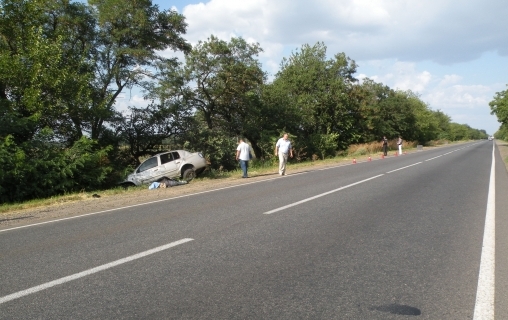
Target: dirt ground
105, 203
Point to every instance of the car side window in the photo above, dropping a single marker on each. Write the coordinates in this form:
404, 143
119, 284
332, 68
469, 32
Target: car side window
165, 158
176, 155
148, 164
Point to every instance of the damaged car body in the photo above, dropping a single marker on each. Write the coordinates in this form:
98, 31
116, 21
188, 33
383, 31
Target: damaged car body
179, 164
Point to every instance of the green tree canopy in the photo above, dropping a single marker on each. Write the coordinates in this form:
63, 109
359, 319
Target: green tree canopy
317, 90
499, 106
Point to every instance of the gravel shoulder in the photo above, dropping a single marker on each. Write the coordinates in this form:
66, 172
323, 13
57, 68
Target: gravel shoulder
137, 197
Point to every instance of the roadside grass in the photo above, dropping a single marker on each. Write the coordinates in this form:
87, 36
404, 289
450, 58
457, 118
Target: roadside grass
360, 152
62, 199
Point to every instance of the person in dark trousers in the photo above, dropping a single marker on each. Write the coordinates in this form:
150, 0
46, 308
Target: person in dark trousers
385, 146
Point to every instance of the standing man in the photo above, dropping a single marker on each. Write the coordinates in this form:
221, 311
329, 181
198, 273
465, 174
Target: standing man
243, 154
385, 146
283, 149
399, 142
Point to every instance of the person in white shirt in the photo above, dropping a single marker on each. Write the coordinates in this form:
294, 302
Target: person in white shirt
243, 155
283, 149
399, 142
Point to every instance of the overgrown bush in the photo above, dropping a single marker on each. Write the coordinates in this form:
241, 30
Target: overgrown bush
218, 148
42, 168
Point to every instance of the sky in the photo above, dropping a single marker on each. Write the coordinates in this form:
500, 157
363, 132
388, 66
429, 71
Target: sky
454, 54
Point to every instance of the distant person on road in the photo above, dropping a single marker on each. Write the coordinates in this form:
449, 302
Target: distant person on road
283, 149
399, 143
243, 155
385, 146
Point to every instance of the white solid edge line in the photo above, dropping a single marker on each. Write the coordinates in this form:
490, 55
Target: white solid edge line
484, 306
414, 164
320, 195
433, 158
90, 271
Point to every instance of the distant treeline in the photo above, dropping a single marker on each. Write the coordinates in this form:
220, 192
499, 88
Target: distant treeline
64, 64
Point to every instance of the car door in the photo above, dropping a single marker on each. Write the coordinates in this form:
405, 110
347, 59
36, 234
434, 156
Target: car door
148, 170
170, 165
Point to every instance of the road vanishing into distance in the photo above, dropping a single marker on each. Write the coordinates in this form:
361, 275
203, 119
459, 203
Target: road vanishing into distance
419, 236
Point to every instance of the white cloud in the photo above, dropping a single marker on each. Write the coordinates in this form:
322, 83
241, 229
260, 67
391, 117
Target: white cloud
450, 79
404, 76
460, 96
130, 99
468, 104
438, 30
226, 19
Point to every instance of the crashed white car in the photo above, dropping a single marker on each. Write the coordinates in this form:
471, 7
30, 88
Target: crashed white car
178, 164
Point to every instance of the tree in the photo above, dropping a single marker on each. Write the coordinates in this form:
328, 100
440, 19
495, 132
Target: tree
146, 128
37, 78
130, 35
499, 106
70, 61
222, 81
317, 90
443, 123
376, 114
502, 133
227, 78
426, 125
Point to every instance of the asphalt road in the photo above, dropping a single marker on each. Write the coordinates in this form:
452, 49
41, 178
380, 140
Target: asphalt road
398, 238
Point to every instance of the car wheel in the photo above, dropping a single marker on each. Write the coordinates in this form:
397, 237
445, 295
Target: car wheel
189, 174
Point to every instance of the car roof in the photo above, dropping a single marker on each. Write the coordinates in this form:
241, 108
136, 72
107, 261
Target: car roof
179, 151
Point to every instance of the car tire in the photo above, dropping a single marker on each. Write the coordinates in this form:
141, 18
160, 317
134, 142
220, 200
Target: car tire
188, 174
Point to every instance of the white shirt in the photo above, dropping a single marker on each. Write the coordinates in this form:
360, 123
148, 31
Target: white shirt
244, 151
283, 145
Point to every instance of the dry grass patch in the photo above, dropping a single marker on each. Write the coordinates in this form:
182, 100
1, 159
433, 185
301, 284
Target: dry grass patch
374, 148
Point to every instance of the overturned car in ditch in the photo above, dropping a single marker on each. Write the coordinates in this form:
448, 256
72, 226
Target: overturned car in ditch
176, 164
